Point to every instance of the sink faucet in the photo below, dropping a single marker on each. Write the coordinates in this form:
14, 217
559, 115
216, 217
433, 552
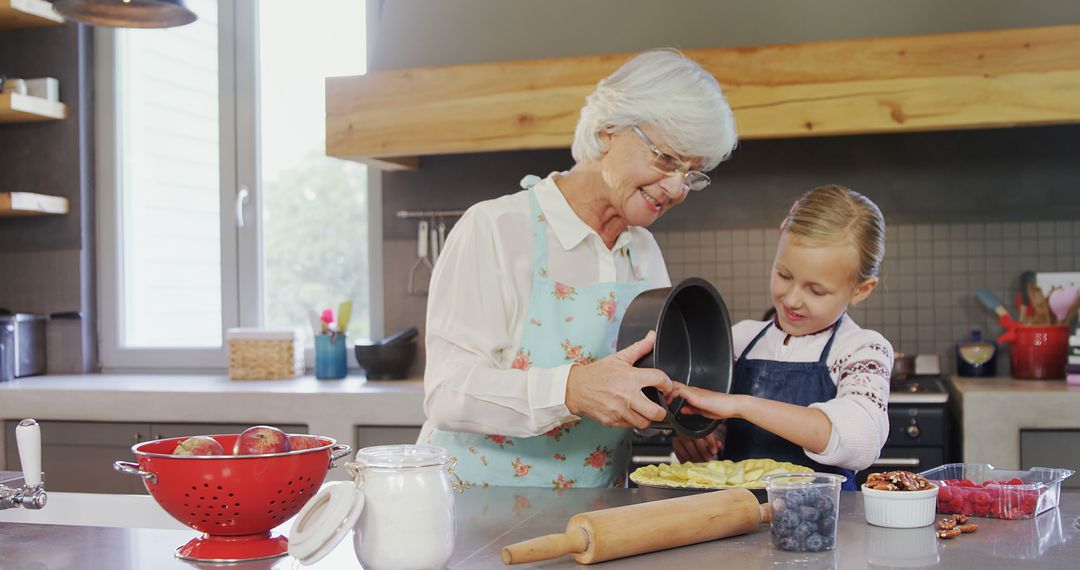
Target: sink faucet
32, 494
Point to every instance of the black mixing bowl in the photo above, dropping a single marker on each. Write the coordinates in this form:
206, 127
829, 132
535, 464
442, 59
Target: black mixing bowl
693, 345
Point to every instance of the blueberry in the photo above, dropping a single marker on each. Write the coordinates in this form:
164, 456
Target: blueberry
795, 497
830, 541
815, 543
812, 495
788, 543
809, 513
789, 518
826, 505
804, 530
778, 504
827, 524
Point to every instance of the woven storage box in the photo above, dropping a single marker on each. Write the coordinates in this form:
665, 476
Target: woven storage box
261, 354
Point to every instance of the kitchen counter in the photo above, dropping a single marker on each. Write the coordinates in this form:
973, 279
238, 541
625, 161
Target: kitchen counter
993, 411
328, 407
490, 518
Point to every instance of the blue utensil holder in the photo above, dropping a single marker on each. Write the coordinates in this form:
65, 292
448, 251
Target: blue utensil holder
330, 363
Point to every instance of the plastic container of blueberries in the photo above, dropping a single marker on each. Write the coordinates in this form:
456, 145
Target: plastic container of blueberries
805, 508
1039, 491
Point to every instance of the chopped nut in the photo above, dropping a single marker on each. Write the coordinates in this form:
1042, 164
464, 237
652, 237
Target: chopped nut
946, 524
961, 519
951, 533
968, 528
897, 481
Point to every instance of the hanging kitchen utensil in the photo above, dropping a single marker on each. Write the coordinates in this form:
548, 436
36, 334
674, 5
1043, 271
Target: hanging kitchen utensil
435, 249
442, 234
421, 260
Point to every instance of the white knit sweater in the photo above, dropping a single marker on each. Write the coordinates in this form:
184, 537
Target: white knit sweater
860, 363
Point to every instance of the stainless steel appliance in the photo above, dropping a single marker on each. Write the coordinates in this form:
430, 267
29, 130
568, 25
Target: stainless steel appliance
22, 345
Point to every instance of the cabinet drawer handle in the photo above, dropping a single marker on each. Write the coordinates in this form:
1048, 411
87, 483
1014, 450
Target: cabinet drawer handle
901, 461
636, 459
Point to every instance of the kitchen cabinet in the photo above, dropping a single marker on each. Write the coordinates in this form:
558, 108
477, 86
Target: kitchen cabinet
1057, 448
78, 456
966, 80
367, 436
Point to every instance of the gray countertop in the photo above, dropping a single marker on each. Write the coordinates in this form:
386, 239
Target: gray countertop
993, 411
489, 519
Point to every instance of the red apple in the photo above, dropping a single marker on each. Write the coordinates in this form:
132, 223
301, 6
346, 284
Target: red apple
298, 442
260, 440
199, 445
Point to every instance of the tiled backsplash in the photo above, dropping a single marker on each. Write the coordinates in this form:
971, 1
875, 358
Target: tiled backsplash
924, 303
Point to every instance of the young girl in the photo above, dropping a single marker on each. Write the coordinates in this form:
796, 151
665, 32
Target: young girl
811, 386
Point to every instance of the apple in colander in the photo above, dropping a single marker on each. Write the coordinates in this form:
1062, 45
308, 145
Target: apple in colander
260, 440
298, 442
199, 445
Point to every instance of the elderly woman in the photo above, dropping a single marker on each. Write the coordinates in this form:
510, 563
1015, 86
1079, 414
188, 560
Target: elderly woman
522, 381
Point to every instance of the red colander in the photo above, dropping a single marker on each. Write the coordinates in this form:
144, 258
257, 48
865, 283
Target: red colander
234, 500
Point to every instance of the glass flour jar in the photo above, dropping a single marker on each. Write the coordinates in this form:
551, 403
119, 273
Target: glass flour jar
400, 506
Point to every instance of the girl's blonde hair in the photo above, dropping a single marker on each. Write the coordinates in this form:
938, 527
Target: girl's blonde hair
833, 214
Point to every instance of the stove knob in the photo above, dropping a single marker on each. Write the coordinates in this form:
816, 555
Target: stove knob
913, 431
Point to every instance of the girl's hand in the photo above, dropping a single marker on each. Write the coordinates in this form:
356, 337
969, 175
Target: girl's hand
713, 405
700, 450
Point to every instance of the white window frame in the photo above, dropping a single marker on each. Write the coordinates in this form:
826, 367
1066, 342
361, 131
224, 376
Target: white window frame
241, 248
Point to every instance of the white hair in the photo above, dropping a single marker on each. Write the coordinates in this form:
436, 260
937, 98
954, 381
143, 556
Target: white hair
668, 91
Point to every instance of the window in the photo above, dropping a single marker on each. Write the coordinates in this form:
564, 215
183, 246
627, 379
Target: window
217, 204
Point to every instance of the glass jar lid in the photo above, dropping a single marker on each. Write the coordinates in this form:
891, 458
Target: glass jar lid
402, 456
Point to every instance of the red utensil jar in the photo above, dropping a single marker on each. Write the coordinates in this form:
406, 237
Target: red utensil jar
1039, 352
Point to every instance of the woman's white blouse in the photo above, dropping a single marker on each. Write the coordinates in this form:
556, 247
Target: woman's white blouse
860, 363
478, 307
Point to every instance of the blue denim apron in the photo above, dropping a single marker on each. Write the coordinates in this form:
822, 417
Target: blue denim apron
565, 324
799, 383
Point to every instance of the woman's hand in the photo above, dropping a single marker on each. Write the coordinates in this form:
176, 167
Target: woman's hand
702, 449
701, 402
609, 390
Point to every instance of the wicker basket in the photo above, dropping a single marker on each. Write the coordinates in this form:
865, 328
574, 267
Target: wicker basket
260, 354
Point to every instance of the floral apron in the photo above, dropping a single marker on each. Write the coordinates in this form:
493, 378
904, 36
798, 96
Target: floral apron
565, 324
799, 383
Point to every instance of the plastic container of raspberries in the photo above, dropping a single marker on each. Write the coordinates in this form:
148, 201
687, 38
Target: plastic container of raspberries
981, 490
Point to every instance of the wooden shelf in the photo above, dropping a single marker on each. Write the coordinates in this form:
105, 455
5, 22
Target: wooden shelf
16, 14
27, 204
16, 108
969, 80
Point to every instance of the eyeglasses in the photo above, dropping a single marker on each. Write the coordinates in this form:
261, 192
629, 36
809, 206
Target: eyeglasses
669, 165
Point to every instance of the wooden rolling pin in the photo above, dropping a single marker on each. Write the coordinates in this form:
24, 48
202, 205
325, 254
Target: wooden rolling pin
597, 536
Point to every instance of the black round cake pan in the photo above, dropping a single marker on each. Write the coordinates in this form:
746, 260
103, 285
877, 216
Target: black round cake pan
693, 345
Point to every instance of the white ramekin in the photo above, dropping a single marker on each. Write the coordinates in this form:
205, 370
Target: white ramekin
900, 509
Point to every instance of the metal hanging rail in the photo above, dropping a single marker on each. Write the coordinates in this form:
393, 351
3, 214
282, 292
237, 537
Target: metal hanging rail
418, 214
